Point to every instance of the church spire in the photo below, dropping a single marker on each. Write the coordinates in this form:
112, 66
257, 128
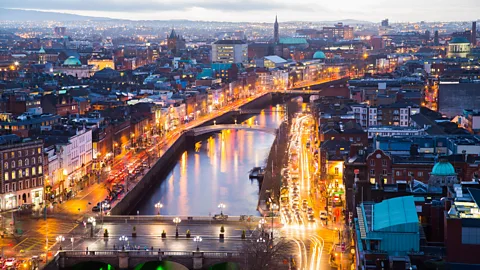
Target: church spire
276, 38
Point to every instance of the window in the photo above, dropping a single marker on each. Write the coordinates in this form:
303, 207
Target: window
14, 186
372, 162
27, 184
40, 169
384, 162
372, 181
19, 163
34, 170
39, 150
20, 173
5, 155
20, 185
5, 176
420, 174
12, 154
397, 173
40, 159
33, 160
384, 172
372, 172
13, 163
5, 165
410, 173
13, 175
19, 153
7, 187
27, 172
26, 162
34, 182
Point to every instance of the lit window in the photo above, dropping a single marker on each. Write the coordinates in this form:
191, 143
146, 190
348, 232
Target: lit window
34, 170
5, 165
13, 175
5, 176
39, 169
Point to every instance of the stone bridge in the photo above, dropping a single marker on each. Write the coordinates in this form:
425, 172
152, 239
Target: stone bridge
213, 128
127, 259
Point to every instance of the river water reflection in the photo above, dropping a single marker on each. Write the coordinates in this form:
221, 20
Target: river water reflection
216, 172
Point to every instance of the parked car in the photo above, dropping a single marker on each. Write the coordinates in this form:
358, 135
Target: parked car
323, 215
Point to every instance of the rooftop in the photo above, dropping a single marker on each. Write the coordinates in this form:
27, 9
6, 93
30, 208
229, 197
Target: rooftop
392, 214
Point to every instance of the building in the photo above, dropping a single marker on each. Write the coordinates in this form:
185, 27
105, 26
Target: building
386, 233
101, 63
73, 67
230, 51
276, 36
389, 131
458, 47
175, 42
74, 148
454, 97
22, 172
396, 114
443, 174
338, 31
462, 227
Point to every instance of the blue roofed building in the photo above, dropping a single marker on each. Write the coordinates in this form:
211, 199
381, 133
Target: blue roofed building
387, 231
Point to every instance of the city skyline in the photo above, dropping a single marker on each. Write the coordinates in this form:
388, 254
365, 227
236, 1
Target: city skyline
234, 10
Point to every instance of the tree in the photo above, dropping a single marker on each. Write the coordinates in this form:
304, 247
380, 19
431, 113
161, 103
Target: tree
261, 253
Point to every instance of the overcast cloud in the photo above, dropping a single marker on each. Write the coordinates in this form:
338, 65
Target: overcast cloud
260, 10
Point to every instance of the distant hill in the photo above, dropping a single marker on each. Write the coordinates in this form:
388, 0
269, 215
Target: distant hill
33, 15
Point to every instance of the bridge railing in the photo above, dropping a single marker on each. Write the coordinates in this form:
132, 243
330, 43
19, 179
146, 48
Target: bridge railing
143, 253
169, 218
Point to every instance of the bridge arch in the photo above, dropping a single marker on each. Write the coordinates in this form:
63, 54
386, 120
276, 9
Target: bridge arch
214, 128
92, 265
160, 265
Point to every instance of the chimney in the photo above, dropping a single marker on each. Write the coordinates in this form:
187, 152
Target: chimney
474, 34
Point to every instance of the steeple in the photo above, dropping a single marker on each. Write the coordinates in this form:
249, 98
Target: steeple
172, 34
276, 38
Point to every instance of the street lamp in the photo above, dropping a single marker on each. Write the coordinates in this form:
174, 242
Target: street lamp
123, 239
273, 207
261, 224
261, 240
176, 221
72, 240
60, 239
158, 206
93, 222
197, 239
221, 206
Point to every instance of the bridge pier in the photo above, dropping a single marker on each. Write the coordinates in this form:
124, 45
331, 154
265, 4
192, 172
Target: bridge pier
197, 260
123, 260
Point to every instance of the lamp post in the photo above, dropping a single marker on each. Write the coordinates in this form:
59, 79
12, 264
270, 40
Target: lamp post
261, 224
221, 206
158, 206
123, 239
197, 239
103, 206
72, 240
60, 239
273, 207
93, 222
176, 221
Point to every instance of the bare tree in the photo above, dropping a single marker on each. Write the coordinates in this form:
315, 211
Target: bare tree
265, 253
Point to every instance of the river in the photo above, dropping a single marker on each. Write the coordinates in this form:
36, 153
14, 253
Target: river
216, 172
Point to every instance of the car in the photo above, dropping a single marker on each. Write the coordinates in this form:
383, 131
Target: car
220, 217
10, 262
309, 210
323, 215
96, 208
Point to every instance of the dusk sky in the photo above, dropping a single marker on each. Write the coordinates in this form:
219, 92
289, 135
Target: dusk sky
261, 11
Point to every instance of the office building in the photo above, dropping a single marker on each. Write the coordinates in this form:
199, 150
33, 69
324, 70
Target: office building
230, 51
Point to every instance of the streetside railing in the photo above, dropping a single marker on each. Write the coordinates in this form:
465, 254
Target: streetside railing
169, 218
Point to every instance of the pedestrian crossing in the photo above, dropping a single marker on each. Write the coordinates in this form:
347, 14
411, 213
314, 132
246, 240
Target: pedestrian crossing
37, 240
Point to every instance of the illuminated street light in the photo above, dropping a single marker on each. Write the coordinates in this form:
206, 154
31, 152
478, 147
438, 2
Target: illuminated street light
197, 239
176, 221
273, 207
60, 239
158, 206
221, 205
261, 224
123, 239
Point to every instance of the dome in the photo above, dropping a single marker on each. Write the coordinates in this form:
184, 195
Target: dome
319, 55
459, 40
72, 61
443, 168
